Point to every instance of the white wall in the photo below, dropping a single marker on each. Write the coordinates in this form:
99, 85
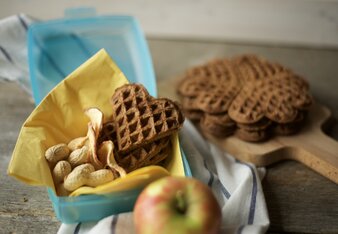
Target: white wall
290, 22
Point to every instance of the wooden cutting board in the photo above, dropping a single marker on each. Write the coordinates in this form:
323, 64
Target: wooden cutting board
311, 146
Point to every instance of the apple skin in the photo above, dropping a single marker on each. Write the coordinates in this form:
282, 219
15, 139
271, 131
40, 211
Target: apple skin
177, 205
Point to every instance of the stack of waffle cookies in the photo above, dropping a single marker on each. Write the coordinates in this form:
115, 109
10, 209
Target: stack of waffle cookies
247, 96
141, 127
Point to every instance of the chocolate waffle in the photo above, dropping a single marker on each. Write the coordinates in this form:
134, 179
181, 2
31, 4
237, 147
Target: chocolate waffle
290, 128
252, 68
260, 125
218, 125
254, 132
194, 115
279, 99
246, 108
210, 88
108, 133
252, 136
140, 119
151, 154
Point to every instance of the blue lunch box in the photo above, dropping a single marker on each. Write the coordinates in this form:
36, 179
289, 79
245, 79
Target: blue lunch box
55, 49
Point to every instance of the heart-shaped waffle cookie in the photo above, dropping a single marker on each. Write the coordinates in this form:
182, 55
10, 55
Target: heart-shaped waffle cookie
253, 68
279, 99
140, 118
210, 88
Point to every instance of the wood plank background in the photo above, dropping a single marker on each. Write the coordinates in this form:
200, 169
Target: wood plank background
288, 22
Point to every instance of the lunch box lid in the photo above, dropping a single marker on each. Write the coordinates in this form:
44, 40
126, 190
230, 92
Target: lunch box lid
58, 47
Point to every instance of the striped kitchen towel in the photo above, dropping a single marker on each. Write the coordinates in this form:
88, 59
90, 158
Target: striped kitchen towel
237, 186
13, 50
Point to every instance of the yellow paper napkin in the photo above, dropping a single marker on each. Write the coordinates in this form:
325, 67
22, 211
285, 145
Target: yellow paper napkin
60, 118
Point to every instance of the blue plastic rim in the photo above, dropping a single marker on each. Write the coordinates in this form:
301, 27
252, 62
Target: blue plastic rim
92, 207
58, 47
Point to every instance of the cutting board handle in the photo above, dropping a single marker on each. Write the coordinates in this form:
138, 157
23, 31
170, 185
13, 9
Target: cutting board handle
319, 153
316, 149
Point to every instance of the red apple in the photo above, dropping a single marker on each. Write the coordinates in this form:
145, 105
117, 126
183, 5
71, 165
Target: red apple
177, 205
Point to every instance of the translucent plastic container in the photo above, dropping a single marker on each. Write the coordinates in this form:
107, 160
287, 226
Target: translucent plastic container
92, 207
55, 49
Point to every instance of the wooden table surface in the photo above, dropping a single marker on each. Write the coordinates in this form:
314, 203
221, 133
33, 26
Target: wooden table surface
298, 199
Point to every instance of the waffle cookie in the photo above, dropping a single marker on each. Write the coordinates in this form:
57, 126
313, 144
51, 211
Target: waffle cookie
253, 68
210, 88
141, 119
252, 136
279, 99
259, 97
290, 128
218, 125
192, 111
260, 125
194, 116
150, 154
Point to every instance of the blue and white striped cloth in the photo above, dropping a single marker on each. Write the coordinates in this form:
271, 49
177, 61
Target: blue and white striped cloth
13, 50
236, 185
